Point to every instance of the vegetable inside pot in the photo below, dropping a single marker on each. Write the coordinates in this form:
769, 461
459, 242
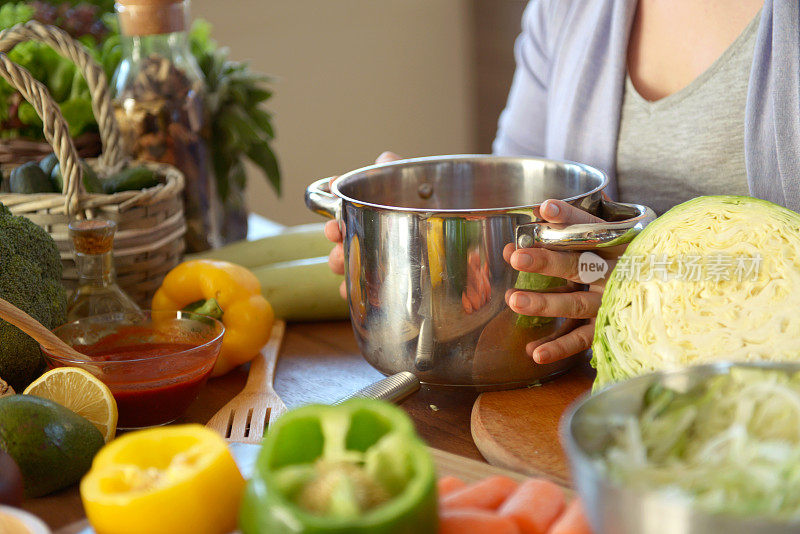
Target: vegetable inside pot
730, 445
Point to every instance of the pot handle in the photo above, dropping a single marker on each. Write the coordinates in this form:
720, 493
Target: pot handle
625, 221
319, 199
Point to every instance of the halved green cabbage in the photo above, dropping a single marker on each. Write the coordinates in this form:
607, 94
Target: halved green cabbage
669, 321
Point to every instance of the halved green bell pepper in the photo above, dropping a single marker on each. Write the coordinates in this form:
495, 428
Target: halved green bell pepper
356, 468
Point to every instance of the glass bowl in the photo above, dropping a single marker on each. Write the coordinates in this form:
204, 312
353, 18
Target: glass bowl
154, 363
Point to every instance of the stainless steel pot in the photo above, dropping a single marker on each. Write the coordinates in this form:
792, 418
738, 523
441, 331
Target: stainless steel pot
426, 279
613, 509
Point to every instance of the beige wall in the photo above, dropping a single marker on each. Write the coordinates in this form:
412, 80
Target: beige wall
356, 77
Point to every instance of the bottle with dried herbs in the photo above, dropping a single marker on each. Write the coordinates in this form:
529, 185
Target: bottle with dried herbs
97, 292
159, 94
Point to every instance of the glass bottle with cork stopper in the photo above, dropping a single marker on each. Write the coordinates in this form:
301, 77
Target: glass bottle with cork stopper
97, 292
159, 105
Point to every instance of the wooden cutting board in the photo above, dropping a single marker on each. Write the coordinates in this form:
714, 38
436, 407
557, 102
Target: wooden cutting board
447, 464
518, 429
468, 470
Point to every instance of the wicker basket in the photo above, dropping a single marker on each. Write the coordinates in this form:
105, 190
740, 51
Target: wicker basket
149, 240
14, 152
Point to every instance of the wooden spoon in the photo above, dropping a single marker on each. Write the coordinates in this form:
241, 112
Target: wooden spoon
48, 340
247, 416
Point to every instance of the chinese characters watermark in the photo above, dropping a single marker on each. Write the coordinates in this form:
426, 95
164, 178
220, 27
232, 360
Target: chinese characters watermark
689, 268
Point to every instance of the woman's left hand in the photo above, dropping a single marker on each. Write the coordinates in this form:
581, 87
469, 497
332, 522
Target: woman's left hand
573, 305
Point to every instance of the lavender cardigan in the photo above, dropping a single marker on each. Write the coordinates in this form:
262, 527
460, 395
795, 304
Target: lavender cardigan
567, 91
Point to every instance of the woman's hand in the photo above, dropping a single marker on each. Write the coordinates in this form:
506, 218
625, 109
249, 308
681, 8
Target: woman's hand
332, 232
573, 305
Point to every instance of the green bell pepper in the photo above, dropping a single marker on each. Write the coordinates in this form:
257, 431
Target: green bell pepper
355, 468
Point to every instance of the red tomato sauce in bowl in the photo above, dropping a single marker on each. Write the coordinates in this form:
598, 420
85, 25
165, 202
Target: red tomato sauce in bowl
154, 369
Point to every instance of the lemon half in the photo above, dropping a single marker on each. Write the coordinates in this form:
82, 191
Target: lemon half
81, 392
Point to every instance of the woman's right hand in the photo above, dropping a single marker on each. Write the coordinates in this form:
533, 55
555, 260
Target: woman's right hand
334, 234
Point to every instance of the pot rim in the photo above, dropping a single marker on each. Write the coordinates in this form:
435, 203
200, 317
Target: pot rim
334, 187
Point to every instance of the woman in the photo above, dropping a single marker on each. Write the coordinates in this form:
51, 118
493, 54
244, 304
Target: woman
672, 98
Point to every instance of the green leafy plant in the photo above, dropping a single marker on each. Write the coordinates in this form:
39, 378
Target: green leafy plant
240, 127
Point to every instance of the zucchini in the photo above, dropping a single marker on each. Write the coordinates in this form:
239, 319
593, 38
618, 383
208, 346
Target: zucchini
131, 179
298, 242
303, 290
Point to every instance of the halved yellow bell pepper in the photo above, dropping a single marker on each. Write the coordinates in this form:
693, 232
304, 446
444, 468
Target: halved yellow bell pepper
168, 480
225, 291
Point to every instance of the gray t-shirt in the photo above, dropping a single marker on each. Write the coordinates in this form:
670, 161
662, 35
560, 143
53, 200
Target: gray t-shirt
690, 143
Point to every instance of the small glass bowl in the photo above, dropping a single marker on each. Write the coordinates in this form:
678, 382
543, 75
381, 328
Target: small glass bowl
153, 388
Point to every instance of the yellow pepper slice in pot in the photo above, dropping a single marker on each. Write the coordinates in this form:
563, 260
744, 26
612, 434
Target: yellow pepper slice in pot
225, 291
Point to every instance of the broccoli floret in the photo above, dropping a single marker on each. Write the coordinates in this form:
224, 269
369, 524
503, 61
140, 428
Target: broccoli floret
30, 279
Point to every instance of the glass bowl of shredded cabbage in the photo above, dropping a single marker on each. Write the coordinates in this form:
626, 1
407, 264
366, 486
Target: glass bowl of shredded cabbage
713, 448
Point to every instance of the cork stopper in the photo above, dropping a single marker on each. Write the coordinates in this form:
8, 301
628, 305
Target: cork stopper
95, 236
151, 17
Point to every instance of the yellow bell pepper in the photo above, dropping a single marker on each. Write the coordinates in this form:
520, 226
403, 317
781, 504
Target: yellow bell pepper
171, 480
225, 291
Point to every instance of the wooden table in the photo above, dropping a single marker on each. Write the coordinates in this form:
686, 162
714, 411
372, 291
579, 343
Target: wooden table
319, 362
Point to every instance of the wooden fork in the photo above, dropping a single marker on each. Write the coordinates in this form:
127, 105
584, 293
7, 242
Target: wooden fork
247, 416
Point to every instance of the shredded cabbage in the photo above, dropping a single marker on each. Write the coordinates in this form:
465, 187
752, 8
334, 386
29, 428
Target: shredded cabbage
656, 316
731, 445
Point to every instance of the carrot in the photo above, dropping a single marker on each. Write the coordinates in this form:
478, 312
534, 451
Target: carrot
474, 521
535, 506
486, 494
447, 485
572, 521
